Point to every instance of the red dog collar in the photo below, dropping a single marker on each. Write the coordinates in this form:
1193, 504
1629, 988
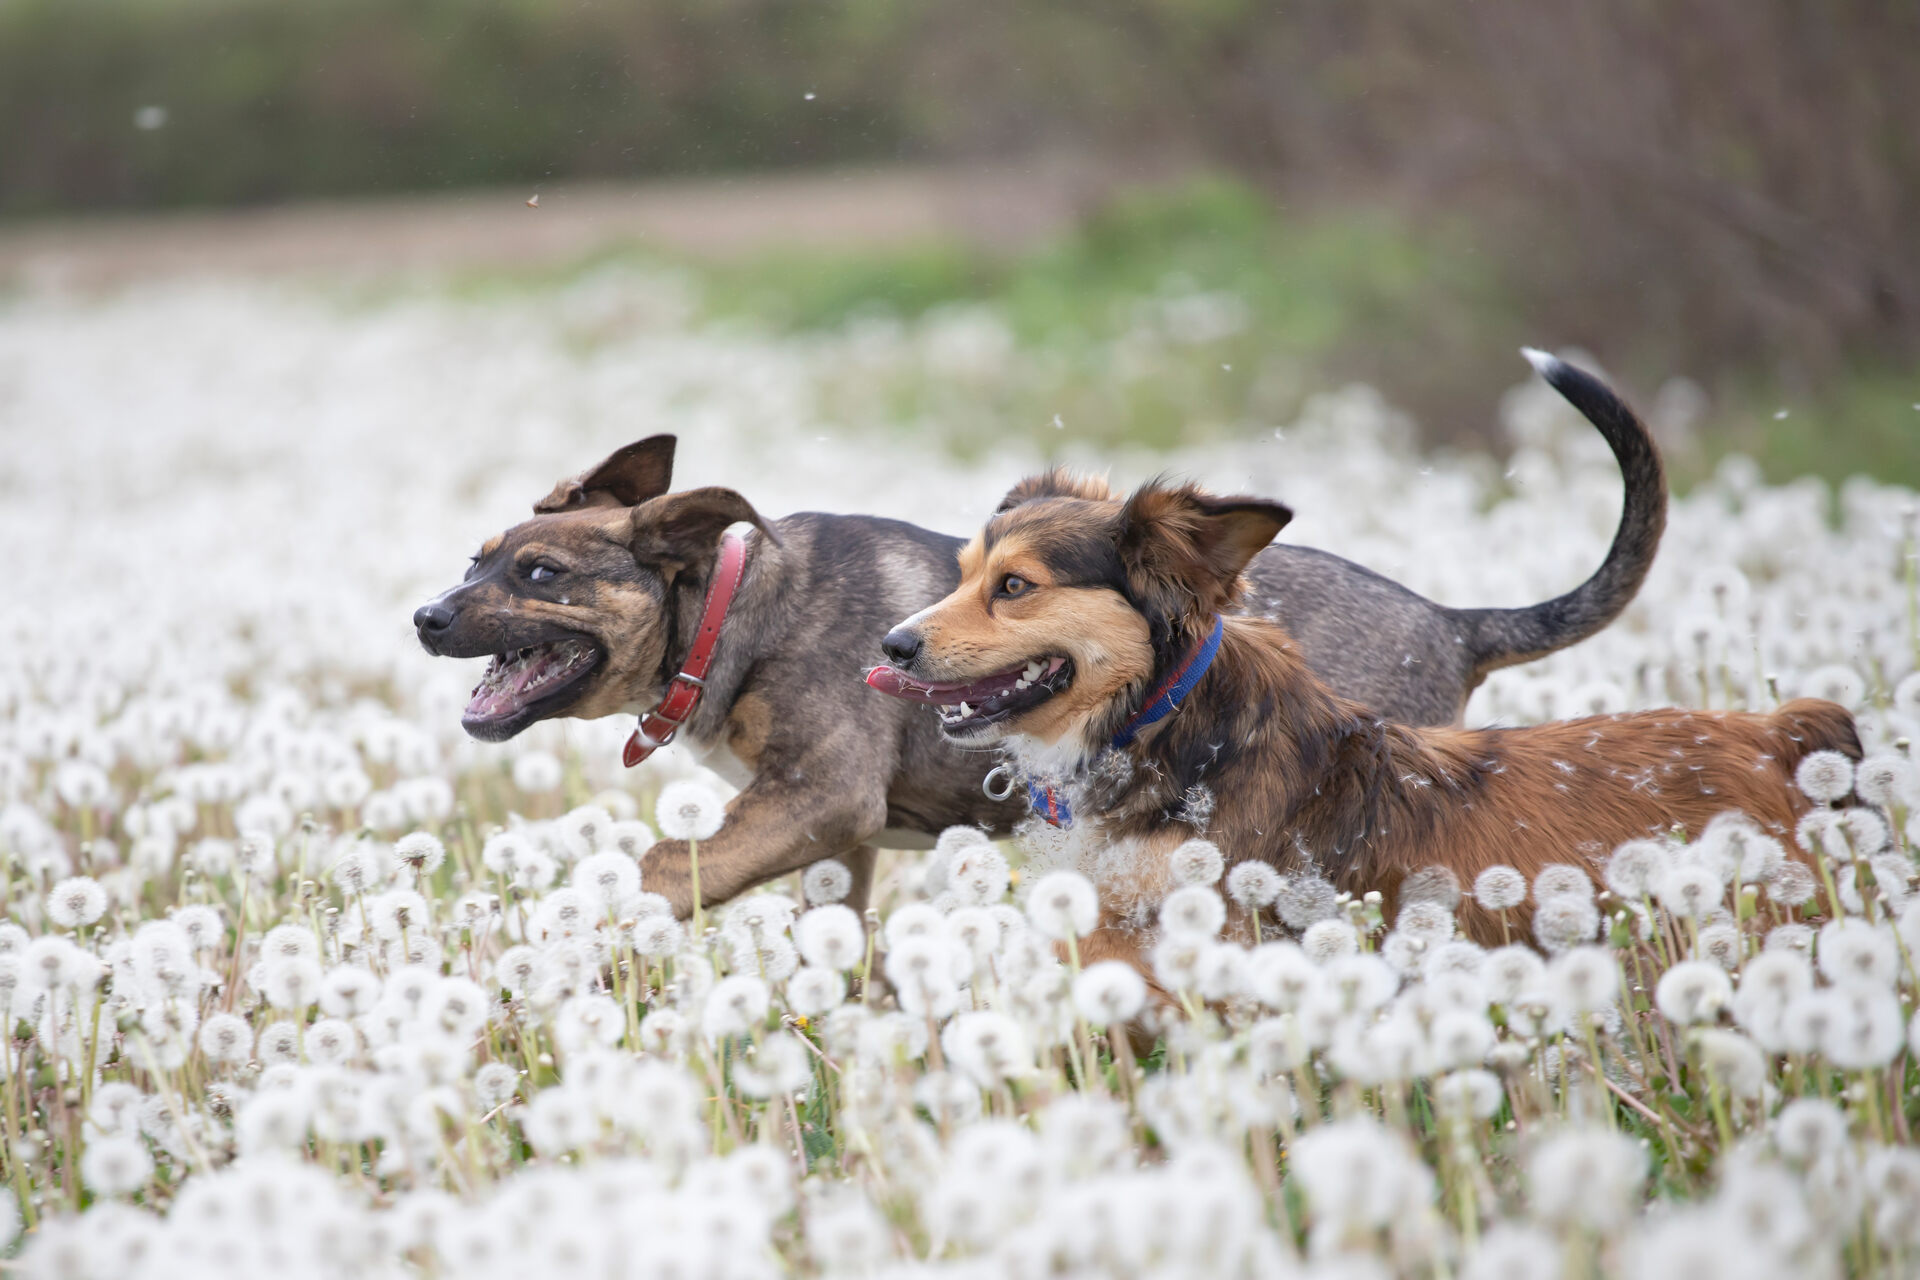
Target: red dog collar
658, 726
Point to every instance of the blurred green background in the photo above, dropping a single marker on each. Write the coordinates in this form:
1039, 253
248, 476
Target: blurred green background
1400, 192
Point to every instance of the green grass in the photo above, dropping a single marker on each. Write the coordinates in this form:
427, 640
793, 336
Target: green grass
1100, 349
1866, 423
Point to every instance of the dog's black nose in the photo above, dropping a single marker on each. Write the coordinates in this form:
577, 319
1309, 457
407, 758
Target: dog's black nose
901, 646
432, 617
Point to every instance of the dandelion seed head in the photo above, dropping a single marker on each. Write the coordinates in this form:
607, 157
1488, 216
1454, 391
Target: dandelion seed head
1564, 922
1193, 909
688, 810
1886, 780
1329, 939
1561, 880
1063, 904
1693, 991
420, 852
1792, 885
1824, 776
1197, 862
1253, 885
1585, 1177
537, 772
1304, 900
826, 881
1499, 888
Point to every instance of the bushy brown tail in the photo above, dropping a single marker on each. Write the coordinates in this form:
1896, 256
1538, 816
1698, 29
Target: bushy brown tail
1808, 725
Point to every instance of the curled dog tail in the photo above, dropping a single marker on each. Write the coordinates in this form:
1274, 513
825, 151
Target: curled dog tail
1807, 725
1504, 637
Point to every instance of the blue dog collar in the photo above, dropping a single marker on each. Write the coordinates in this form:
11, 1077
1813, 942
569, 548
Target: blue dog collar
1174, 689
1052, 807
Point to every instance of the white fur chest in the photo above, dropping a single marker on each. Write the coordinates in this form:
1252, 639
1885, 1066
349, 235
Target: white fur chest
719, 757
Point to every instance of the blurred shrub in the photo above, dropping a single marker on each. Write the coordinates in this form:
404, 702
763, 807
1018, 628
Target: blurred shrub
267, 100
1703, 185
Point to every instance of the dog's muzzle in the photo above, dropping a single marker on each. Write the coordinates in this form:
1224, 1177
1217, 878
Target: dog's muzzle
430, 622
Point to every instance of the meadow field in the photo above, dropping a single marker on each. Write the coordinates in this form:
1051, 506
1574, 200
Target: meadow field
300, 981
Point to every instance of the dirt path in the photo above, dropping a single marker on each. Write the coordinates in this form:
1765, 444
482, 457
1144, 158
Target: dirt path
998, 206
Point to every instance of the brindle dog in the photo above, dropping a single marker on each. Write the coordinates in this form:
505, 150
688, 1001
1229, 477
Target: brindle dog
1086, 640
588, 608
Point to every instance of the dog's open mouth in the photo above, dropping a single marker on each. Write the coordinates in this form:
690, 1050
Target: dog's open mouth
526, 685
974, 704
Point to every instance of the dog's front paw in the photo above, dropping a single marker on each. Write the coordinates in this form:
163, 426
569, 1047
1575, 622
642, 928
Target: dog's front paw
667, 870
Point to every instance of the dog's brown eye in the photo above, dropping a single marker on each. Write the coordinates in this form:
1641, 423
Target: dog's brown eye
1014, 585
542, 572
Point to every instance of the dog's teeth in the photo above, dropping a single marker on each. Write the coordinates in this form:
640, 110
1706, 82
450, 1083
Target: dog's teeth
1032, 672
965, 711
1023, 682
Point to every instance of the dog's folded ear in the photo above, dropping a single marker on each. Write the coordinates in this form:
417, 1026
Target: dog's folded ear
629, 476
1181, 546
1057, 483
683, 528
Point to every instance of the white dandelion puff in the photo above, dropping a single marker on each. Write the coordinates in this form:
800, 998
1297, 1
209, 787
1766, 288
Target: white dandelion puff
826, 881
1824, 776
1499, 888
1253, 885
1063, 904
688, 811
76, 901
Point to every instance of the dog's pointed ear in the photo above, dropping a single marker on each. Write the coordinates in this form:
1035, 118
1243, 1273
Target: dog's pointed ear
1056, 483
682, 528
629, 476
1184, 550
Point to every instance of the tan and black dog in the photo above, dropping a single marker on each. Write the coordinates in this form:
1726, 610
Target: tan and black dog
1086, 639
588, 608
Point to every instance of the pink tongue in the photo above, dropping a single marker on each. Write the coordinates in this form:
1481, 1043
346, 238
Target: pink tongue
898, 684
490, 701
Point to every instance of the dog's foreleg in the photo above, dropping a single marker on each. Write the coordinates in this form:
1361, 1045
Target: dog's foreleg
774, 827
